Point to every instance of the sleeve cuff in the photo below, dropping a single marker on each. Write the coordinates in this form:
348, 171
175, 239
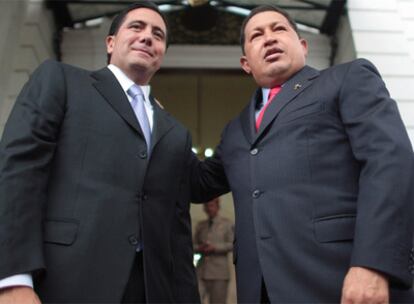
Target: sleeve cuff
17, 280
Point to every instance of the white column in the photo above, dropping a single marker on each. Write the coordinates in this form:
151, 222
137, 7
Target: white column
28, 28
9, 21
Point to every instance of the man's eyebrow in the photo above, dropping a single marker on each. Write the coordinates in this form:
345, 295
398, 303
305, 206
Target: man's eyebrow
260, 27
257, 28
157, 28
135, 21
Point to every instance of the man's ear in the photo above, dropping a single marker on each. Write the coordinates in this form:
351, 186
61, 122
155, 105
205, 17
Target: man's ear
109, 44
245, 64
304, 44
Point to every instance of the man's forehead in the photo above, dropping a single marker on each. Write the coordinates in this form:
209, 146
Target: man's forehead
147, 15
264, 18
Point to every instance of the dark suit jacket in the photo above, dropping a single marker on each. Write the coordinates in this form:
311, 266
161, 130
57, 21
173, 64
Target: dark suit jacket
326, 183
77, 188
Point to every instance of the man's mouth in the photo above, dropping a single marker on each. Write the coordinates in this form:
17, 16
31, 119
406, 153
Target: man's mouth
272, 53
143, 50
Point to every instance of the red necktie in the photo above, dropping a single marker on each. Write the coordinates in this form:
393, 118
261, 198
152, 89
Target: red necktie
272, 93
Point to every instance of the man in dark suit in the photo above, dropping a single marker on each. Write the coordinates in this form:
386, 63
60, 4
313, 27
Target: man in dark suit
322, 177
94, 190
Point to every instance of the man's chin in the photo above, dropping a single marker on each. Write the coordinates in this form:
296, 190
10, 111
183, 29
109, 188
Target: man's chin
139, 65
276, 70
272, 75
276, 66
144, 67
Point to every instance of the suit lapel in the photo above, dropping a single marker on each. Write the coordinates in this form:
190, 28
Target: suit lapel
292, 88
162, 124
247, 117
110, 89
108, 86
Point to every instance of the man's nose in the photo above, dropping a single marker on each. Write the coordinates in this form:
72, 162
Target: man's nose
146, 37
269, 38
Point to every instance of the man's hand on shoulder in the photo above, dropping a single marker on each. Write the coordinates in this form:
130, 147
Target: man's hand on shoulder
18, 295
363, 285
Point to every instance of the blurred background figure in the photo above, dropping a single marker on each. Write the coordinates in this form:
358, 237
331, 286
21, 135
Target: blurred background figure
214, 241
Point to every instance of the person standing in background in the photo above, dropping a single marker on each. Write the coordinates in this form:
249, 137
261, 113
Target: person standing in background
214, 241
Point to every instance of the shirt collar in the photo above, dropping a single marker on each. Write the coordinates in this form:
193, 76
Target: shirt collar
265, 95
126, 83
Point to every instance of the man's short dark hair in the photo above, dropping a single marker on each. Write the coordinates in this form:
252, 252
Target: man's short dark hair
261, 9
120, 18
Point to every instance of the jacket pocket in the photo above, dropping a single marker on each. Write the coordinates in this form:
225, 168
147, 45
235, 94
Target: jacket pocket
308, 109
62, 231
335, 228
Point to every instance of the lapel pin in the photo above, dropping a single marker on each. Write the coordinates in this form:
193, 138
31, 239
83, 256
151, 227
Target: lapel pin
297, 86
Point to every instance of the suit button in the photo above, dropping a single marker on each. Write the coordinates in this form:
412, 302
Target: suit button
133, 240
256, 193
254, 151
144, 197
143, 154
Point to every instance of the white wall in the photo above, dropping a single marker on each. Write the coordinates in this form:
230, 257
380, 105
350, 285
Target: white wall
345, 49
26, 28
384, 34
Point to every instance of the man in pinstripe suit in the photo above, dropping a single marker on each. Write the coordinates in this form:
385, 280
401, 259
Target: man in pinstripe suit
322, 177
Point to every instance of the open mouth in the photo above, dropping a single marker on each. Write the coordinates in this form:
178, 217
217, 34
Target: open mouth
273, 53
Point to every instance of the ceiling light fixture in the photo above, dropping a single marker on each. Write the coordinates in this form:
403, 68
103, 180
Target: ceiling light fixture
197, 2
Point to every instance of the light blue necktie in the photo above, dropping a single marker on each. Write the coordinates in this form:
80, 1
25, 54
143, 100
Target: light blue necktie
138, 106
